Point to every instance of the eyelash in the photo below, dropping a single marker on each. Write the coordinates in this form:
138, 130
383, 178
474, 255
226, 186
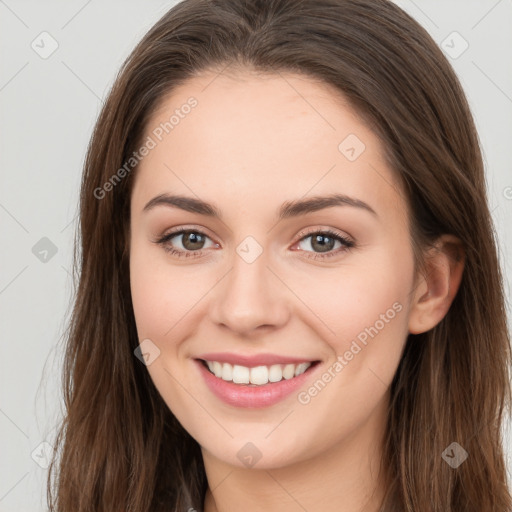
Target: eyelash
348, 244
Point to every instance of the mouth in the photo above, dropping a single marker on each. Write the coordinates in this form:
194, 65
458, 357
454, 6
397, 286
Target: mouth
256, 376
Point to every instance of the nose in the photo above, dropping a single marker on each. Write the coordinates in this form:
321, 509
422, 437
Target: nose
250, 298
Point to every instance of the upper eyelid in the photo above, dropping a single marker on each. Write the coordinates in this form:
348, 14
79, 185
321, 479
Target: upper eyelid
306, 232
182, 230
300, 236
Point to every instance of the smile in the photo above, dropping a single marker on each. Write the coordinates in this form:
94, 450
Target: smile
255, 386
258, 375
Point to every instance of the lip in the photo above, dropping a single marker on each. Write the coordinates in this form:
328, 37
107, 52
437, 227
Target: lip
252, 396
252, 361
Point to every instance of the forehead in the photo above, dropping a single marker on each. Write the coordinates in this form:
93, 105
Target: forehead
280, 111
268, 136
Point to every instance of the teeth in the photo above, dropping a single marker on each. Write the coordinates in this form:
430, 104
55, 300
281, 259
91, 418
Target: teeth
275, 373
289, 371
258, 375
240, 374
301, 368
227, 372
217, 369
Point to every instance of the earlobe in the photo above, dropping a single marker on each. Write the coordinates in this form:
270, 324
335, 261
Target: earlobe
434, 292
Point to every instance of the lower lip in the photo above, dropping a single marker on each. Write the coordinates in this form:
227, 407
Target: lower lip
241, 395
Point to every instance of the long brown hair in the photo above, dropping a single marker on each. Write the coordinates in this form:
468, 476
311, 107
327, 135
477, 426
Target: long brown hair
119, 446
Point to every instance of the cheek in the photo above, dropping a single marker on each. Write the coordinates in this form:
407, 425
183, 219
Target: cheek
168, 299
366, 308
363, 311
154, 293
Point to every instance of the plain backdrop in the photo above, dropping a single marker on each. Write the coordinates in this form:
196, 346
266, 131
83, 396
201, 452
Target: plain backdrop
58, 61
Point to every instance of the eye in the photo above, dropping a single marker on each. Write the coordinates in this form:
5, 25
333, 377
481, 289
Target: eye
324, 241
192, 242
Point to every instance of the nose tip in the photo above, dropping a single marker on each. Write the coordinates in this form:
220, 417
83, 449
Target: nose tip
250, 299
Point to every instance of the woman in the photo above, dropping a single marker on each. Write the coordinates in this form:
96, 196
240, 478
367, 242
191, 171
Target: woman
289, 292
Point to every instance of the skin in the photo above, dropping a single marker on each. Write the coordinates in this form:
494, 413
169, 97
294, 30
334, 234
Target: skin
252, 143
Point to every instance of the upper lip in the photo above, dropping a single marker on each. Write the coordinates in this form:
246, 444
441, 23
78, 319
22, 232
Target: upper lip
251, 361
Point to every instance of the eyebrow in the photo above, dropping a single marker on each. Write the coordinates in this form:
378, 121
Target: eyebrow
287, 210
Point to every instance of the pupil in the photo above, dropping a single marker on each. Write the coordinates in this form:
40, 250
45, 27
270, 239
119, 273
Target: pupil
324, 247
193, 238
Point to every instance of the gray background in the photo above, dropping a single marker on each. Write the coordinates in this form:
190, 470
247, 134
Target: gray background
48, 109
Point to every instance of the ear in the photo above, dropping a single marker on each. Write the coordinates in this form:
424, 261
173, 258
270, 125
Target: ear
434, 292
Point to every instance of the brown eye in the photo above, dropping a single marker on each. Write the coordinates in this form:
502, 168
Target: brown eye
192, 240
323, 242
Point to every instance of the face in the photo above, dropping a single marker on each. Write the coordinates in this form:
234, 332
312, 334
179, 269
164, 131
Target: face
266, 278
